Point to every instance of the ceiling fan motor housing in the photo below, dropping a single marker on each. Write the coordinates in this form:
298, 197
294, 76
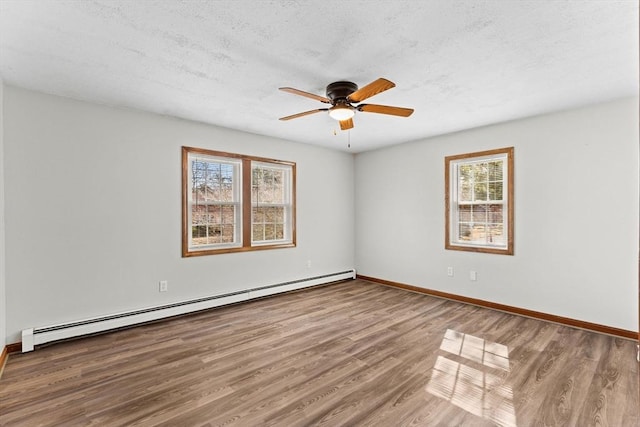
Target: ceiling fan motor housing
340, 90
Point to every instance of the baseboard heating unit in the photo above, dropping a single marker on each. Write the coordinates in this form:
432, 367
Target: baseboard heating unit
42, 335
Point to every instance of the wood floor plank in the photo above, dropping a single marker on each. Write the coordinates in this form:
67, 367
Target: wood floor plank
353, 353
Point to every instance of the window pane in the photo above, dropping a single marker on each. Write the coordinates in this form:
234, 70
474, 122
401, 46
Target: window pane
258, 232
495, 213
479, 213
268, 185
258, 215
466, 193
496, 233
495, 191
213, 214
199, 214
228, 214
269, 215
212, 181
465, 213
269, 232
199, 231
213, 233
480, 172
480, 191
466, 173
478, 234
465, 183
464, 232
495, 170
278, 213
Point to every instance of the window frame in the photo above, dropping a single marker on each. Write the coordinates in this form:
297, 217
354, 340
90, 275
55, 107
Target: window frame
451, 200
244, 231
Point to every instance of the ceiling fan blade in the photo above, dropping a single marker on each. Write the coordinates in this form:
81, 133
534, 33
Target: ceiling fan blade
385, 109
371, 89
346, 124
306, 94
306, 113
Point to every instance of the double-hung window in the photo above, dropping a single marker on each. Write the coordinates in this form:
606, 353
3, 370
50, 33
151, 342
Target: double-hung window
214, 202
232, 202
479, 201
271, 203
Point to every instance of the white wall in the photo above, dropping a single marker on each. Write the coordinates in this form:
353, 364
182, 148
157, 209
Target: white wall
3, 306
576, 215
93, 211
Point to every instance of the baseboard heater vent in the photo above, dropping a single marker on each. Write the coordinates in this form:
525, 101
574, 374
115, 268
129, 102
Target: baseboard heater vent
35, 336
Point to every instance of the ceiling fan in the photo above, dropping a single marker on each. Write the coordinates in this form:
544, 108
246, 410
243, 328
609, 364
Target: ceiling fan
341, 96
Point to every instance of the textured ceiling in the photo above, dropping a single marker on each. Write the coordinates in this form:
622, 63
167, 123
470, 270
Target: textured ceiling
459, 64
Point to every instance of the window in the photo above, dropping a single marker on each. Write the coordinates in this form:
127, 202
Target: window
233, 203
479, 202
270, 202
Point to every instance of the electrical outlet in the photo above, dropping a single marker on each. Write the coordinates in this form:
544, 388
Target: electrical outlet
164, 286
473, 276
309, 263
450, 271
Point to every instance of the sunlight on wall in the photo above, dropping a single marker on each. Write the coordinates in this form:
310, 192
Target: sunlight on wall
482, 392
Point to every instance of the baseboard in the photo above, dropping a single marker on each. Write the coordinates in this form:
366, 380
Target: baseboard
14, 348
623, 333
4, 355
3, 360
84, 327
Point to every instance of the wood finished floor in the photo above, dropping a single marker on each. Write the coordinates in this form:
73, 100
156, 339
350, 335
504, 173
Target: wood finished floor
353, 353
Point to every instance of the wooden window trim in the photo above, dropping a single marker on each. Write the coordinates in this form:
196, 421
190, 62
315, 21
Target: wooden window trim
509, 250
246, 245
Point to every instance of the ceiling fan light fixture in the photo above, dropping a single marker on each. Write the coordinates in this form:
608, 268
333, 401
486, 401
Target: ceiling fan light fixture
341, 112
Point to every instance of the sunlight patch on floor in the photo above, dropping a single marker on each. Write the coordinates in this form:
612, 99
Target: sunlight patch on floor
485, 392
